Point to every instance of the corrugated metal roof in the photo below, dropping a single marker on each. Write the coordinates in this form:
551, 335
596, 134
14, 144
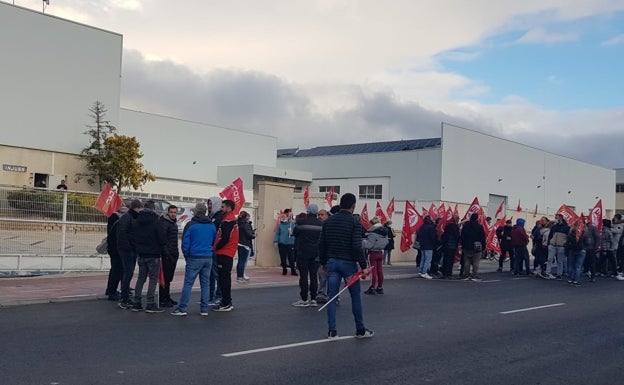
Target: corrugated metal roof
361, 148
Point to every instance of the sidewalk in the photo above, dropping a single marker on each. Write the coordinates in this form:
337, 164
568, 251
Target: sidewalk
91, 286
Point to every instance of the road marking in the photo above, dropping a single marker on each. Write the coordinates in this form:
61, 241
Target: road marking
531, 308
284, 346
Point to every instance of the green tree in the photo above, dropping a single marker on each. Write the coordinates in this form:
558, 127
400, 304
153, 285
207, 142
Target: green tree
95, 154
122, 166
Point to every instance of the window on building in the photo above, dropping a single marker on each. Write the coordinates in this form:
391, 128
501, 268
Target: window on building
325, 189
371, 191
619, 188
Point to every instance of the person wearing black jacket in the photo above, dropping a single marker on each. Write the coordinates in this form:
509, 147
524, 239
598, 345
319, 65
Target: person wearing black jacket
450, 243
116, 270
150, 241
169, 224
245, 236
307, 233
340, 252
473, 242
503, 233
127, 250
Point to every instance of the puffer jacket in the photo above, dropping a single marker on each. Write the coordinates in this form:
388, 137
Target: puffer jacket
170, 227
283, 235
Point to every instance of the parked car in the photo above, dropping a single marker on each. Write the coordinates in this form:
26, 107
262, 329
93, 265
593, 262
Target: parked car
185, 213
161, 204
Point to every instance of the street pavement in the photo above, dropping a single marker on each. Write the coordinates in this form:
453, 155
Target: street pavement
502, 330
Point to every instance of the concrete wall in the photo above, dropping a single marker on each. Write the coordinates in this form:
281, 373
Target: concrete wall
53, 70
473, 163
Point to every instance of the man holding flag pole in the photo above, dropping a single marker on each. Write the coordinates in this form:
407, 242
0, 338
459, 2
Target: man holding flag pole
340, 252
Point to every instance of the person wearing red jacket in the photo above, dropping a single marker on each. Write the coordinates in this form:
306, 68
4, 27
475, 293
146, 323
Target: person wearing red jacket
519, 242
225, 248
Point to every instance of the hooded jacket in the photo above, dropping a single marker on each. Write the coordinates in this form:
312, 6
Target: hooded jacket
427, 236
450, 237
227, 236
198, 237
559, 234
149, 235
519, 236
472, 232
216, 214
245, 233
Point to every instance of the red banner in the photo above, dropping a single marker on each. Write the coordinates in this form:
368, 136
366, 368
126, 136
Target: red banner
595, 216
499, 210
475, 208
364, 217
568, 214
492, 239
412, 221
379, 213
234, 192
306, 197
519, 208
108, 202
390, 208
433, 212
580, 227
330, 197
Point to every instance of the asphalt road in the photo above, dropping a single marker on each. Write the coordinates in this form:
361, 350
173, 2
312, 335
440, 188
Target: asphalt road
426, 332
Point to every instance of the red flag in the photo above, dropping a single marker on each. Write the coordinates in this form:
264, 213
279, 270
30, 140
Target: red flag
499, 210
108, 202
475, 208
390, 208
568, 214
306, 197
412, 221
442, 211
379, 213
364, 217
433, 213
425, 212
330, 197
595, 216
449, 214
161, 276
234, 192
492, 239
535, 212
580, 227
519, 208
456, 211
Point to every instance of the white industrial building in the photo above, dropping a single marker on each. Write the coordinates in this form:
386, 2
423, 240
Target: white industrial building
53, 70
455, 168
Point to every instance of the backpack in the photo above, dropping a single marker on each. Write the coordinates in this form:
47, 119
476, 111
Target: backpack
374, 241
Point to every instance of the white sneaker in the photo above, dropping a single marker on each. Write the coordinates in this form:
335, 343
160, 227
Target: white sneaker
313, 303
301, 303
425, 276
620, 277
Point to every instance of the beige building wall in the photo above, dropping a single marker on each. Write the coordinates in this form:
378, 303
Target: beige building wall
19, 166
272, 198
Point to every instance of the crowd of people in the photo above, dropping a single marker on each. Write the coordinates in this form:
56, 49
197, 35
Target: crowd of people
559, 249
138, 236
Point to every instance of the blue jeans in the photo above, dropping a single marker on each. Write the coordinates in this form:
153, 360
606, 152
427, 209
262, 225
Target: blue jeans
425, 261
195, 267
576, 258
243, 255
128, 262
337, 270
148, 267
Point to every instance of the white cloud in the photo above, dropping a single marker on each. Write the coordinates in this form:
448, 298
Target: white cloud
540, 35
131, 5
617, 40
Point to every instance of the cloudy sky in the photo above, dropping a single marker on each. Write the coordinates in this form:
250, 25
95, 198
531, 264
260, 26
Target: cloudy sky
546, 73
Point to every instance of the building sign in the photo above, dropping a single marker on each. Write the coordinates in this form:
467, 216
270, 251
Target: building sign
13, 168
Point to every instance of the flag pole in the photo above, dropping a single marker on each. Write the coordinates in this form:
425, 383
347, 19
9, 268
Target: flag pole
360, 275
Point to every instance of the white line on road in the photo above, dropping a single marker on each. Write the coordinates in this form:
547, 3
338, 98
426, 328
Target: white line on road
532, 308
284, 346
